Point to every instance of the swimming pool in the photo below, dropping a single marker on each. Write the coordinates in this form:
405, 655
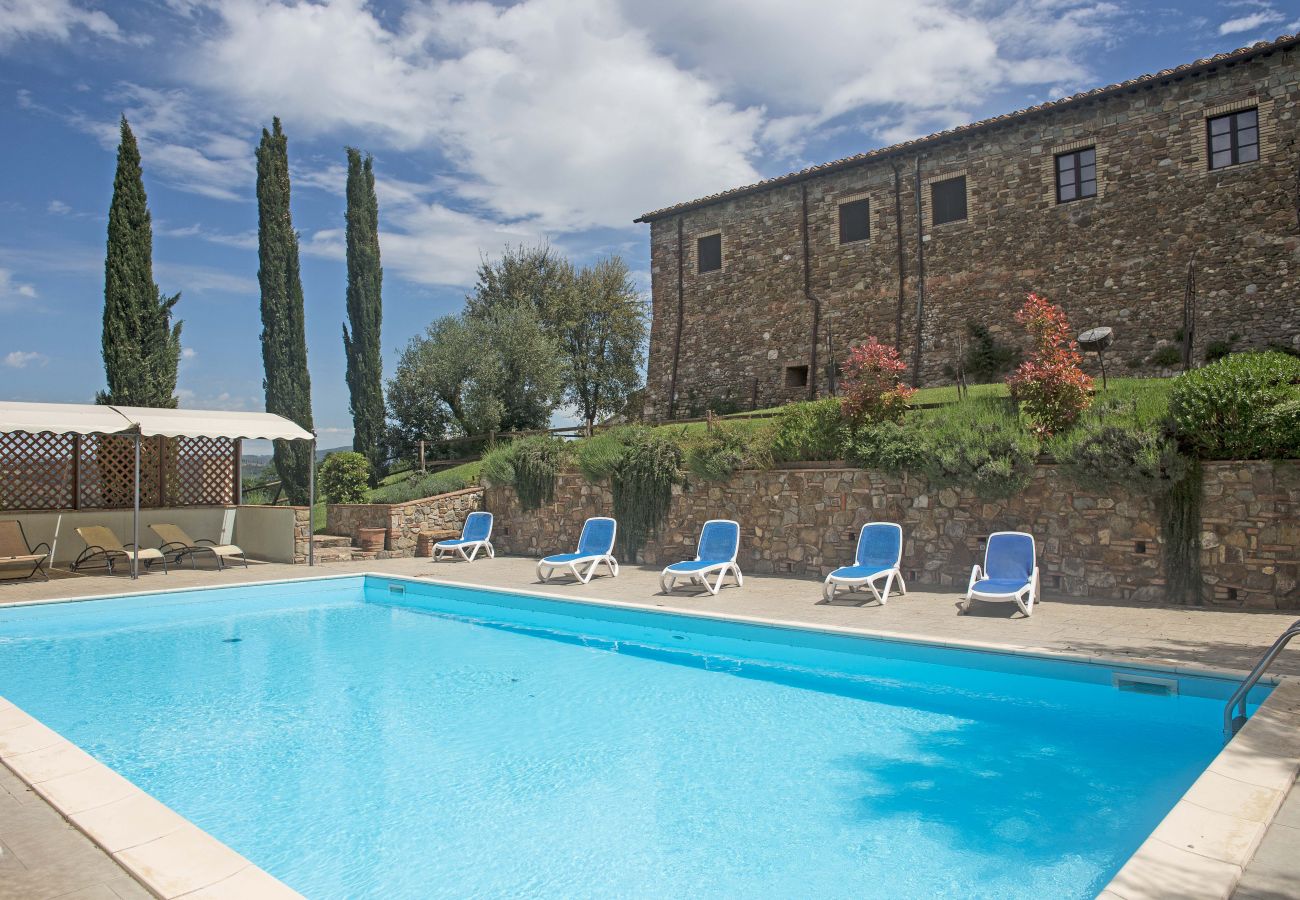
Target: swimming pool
367, 736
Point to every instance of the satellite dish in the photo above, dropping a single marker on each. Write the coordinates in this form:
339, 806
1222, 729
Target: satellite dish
1096, 340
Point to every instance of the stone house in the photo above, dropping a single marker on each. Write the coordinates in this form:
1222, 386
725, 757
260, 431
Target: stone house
1109, 202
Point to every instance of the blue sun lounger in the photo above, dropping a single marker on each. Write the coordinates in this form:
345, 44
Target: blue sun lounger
719, 544
1010, 571
595, 546
475, 536
880, 550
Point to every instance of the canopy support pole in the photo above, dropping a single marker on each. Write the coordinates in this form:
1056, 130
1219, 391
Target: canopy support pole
311, 507
135, 517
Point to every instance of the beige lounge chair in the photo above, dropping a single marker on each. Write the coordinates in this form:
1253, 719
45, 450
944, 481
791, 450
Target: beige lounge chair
103, 548
177, 544
16, 554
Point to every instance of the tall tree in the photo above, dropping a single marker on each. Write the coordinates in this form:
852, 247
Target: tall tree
365, 313
284, 338
142, 348
601, 330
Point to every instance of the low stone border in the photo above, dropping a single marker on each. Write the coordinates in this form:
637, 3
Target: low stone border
165, 852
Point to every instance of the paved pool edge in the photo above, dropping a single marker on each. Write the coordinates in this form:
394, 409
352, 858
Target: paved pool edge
1199, 850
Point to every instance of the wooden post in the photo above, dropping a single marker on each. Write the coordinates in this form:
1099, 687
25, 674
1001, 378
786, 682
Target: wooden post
421, 456
238, 453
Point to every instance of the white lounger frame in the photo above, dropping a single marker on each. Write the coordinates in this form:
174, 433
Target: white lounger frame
439, 551
592, 562
833, 581
1024, 598
668, 580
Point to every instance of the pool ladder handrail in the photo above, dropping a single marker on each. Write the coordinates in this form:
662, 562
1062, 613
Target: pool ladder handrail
1232, 724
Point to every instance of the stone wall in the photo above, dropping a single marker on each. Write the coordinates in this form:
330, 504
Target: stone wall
404, 521
805, 521
1117, 259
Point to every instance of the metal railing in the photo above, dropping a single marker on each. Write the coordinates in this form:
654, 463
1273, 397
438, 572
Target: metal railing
1232, 723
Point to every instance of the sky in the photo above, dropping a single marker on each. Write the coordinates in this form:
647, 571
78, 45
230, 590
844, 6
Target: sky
491, 124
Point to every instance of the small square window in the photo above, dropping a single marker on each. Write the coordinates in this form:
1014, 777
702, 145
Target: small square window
796, 376
948, 200
1233, 138
1076, 175
709, 253
855, 221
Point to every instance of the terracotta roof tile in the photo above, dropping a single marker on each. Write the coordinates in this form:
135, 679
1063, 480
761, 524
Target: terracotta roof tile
1238, 55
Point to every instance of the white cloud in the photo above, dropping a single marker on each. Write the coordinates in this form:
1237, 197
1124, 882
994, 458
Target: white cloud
55, 20
1251, 22
556, 111
196, 279
58, 208
21, 359
244, 240
14, 294
188, 353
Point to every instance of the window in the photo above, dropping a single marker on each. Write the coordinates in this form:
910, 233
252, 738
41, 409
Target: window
948, 200
1233, 138
1076, 175
709, 253
796, 376
855, 221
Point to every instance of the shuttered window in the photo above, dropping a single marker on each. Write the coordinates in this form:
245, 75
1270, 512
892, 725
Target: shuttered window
948, 200
709, 253
855, 221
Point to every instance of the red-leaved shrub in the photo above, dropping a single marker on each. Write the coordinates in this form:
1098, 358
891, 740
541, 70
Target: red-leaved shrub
1053, 391
873, 388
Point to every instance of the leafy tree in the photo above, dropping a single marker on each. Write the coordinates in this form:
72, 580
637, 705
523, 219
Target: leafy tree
1051, 386
533, 275
361, 345
523, 367
284, 339
442, 386
873, 386
142, 348
601, 329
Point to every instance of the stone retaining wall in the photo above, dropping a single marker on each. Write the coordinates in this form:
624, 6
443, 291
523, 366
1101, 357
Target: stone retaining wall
404, 521
805, 521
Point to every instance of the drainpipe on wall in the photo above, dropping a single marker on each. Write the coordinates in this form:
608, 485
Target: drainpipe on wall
902, 255
681, 312
920, 278
808, 295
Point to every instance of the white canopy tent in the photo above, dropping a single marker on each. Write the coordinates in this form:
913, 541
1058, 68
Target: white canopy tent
141, 422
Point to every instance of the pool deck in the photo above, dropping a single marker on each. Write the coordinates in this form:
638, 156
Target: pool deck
1236, 833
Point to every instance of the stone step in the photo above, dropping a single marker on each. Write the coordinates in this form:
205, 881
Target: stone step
334, 554
332, 540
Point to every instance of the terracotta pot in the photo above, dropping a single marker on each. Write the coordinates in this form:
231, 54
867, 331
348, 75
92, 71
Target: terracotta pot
371, 538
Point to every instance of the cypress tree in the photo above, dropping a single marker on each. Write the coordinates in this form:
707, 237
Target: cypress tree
142, 348
365, 313
284, 338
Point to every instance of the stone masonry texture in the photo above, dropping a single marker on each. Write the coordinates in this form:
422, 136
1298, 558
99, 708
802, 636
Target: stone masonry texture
404, 521
806, 521
1119, 259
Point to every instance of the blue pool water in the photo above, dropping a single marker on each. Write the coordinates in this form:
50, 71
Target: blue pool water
368, 738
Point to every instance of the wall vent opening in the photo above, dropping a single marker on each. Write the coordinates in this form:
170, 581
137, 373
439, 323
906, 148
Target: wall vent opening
1139, 546
796, 376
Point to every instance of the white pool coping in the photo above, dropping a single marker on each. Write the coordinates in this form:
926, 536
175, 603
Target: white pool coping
1199, 850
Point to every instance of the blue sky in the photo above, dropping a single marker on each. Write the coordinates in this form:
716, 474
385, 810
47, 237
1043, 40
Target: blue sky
491, 124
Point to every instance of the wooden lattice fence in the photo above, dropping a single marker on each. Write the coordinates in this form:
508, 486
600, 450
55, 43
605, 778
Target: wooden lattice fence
64, 471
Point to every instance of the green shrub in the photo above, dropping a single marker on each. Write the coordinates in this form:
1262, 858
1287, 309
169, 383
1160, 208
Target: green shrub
1217, 350
1237, 407
1167, 356
1282, 423
598, 455
808, 431
888, 446
416, 486
642, 484
1138, 458
985, 358
981, 445
536, 462
719, 453
344, 477
499, 465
